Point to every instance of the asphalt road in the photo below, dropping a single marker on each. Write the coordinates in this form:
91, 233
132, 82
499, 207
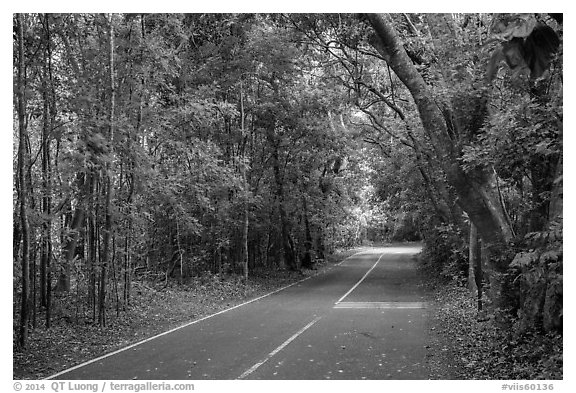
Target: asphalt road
363, 319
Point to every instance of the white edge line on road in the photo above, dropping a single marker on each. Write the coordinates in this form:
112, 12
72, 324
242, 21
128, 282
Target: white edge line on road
362, 279
281, 347
183, 326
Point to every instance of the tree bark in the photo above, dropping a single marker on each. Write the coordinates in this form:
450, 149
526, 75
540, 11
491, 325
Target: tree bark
46, 245
23, 160
475, 194
475, 265
49, 114
108, 184
246, 186
307, 261
288, 252
92, 244
71, 242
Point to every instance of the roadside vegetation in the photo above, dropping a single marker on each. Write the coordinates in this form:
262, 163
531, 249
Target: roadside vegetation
167, 165
463, 347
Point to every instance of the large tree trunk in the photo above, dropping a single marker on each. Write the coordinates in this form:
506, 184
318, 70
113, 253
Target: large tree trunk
476, 192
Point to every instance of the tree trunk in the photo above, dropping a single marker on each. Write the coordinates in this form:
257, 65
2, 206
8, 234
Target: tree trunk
288, 251
114, 278
307, 261
71, 241
92, 244
180, 256
475, 265
51, 98
439, 206
23, 161
321, 247
245, 232
246, 186
475, 195
108, 184
34, 280
48, 121
16, 233
127, 269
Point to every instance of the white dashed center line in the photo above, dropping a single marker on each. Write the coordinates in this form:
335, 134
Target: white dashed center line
281, 347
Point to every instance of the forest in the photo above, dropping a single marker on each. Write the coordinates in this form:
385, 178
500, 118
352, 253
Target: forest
211, 157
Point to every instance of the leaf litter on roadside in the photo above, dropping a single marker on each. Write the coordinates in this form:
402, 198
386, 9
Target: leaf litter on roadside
464, 348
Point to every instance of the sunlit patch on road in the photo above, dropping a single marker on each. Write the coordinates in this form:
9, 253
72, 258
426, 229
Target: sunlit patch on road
404, 250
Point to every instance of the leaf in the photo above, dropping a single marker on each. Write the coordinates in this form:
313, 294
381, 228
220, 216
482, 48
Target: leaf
524, 259
507, 27
543, 148
550, 256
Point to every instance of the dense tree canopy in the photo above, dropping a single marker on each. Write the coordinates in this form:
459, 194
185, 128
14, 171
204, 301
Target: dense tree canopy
167, 146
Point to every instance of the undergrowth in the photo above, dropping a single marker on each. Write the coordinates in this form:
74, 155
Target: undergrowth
466, 348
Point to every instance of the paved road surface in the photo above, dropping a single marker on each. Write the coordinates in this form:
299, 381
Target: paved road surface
363, 319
